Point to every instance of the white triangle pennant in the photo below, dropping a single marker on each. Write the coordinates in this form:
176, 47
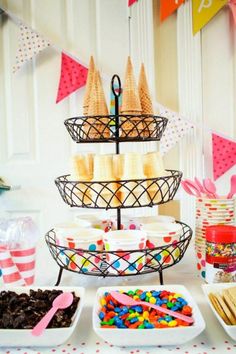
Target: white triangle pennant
176, 129
30, 43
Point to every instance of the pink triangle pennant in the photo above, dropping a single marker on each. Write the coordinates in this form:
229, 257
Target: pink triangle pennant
30, 43
223, 154
232, 5
131, 2
73, 76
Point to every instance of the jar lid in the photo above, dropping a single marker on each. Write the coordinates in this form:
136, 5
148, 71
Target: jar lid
221, 233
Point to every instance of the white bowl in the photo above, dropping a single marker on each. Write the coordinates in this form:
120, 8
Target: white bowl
51, 336
214, 288
147, 337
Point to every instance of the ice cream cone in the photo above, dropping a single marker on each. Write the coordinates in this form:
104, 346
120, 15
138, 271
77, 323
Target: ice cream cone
118, 166
79, 173
154, 167
88, 87
146, 104
104, 194
130, 105
97, 127
89, 162
132, 192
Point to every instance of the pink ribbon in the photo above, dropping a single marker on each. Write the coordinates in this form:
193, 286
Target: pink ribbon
232, 5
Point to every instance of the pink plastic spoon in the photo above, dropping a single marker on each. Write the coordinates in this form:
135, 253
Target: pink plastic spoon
232, 187
62, 301
127, 300
190, 188
210, 187
200, 186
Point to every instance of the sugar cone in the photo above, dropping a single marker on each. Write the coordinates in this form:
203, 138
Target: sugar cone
146, 103
97, 128
130, 105
130, 98
89, 162
80, 173
144, 94
88, 88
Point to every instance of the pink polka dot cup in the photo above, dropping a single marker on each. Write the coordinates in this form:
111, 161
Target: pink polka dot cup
122, 241
163, 234
81, 243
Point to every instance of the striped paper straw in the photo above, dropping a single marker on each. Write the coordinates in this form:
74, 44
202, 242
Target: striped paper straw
24, 260
10, 272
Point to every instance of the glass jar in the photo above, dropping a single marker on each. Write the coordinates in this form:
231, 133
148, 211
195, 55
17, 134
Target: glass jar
221, 254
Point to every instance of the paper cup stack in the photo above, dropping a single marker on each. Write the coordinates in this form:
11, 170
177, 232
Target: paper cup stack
210, 212
161, 234
122, 241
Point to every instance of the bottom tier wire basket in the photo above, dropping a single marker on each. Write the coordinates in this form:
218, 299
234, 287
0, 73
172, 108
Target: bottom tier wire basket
118, 263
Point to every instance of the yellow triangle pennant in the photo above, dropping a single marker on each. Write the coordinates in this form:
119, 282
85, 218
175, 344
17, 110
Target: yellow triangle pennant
204, 10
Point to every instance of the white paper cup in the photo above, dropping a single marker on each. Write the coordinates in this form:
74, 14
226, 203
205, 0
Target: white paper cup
82, 243
92, 219
163, 234
122, 262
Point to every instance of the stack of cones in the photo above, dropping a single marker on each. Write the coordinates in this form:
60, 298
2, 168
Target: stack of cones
133, 126
95, 106
82, 170
105, 194
153, 168
146, 104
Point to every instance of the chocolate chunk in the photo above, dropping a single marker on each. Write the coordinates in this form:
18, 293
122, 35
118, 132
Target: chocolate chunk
23, 311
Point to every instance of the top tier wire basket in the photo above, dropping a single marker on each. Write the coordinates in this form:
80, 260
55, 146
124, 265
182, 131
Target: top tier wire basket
104, 129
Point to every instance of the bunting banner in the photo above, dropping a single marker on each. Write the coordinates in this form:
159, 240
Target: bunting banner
73, 76
232, 6
177, 128
223, 154
204, 10
131, 2
167, 7
30, 43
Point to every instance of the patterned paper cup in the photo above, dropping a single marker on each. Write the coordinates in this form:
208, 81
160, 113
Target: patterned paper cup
82, 244
210, 212
122, 241
161, 234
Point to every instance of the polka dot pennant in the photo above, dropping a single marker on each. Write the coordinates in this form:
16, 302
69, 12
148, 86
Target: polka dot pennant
176, 129
73, 76
223, 155
30, 43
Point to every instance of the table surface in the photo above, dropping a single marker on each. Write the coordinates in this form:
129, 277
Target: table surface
85, 341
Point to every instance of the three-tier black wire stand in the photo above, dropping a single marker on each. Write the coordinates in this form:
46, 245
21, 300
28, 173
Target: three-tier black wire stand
117, 195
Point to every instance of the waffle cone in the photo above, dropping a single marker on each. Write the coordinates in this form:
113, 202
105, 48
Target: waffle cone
96, 128
144, 93
88, 87
130, 97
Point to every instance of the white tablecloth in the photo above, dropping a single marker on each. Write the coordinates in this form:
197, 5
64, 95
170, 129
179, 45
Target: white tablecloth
85, 341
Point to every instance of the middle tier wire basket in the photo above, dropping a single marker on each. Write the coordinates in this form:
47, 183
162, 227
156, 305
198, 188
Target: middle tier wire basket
119, 194
119, 263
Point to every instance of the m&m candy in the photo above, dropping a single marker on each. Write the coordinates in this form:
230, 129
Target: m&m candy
114, 315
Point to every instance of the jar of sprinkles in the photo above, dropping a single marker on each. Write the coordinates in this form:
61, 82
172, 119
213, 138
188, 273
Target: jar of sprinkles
221, 254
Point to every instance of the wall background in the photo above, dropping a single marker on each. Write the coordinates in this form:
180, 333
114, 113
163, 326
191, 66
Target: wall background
193, 75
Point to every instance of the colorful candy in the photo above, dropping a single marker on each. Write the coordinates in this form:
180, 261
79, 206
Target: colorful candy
114, 315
